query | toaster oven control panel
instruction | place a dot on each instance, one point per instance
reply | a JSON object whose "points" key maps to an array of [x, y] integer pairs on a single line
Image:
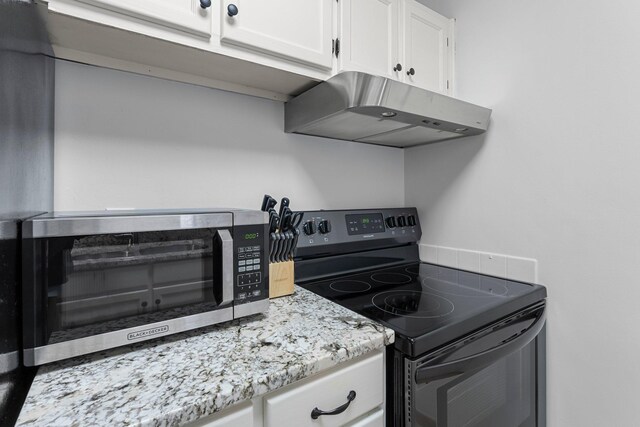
{"points": [[250, 263]]}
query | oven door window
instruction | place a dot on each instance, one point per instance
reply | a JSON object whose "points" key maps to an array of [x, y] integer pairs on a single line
{"points": [[500, 395], [99, 283], [488, 381]]}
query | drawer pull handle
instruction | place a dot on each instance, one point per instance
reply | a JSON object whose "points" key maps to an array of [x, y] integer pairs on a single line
{"points": [[340, 409]]}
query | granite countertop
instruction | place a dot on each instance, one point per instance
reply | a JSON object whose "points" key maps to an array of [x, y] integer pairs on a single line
{"points": [[181, 378]]}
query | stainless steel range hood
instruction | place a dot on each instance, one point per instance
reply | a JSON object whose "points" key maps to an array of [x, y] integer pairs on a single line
{"points": [[377, 110]]}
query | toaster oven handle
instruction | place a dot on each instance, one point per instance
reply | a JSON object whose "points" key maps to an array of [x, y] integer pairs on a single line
{"points": [[227, 265]]}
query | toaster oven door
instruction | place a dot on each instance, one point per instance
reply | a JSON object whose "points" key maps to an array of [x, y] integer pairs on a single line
{"points": [[95, 291]]}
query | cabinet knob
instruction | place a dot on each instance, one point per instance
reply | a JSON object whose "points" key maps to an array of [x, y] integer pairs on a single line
{"points": [[205, 4], [398, 67], [232, 9], [411, 72]]}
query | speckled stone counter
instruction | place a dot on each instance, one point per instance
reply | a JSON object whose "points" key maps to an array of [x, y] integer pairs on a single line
{"points": [[177, 379]]}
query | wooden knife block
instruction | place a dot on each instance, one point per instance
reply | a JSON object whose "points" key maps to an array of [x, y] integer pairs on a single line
{"points": [[281, 278]]}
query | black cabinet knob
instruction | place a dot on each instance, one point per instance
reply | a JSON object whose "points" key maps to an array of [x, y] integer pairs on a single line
{"points": [[205, 4], [411, 72], [398, 67], [232, 9]]}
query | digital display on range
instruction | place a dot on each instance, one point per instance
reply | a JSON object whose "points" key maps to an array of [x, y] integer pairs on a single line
{"points": [[365, 223]]}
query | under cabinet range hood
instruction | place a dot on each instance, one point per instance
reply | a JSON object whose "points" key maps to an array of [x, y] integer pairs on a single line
{"points": [[363, 108]]}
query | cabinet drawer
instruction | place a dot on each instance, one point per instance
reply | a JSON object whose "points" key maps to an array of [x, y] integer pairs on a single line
{"points": [[237, 416], [327, 392], [374, 420]]}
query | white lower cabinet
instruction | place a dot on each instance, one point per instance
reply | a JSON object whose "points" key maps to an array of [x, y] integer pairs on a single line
{"points": [[373, 420], [240, 415], [365, 378], [292, 406]]}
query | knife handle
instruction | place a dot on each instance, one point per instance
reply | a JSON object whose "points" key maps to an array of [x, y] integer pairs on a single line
{"points": [[284, 203], [265, 202]]}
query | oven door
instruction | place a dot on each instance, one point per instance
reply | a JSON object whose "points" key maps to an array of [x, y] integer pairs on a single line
{"points": [[492, 378], [86, 292]]}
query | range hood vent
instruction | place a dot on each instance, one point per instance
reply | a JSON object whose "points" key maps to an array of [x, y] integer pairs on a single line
{"points": [[376, 110]]}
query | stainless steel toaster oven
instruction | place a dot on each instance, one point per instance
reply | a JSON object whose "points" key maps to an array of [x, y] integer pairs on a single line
{"points": [[95, 280]]}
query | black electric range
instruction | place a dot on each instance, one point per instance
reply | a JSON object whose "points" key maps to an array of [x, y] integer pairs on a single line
{"points": [[425, 304], [469, 348]]}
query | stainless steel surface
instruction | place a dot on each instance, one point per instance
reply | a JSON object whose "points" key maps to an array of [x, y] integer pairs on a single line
{"points": [[8, 362], [67, 349], [8, 230], [255, 307], [27, 93], [227, 265], [360, 107], [248, 217], [83, 225]]}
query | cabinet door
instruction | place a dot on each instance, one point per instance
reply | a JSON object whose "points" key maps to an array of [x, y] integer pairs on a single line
{"points": [[369, 36], [292, 406], [374, 420], [240, 415], [427, 48], [298, 30], [183, 15]]}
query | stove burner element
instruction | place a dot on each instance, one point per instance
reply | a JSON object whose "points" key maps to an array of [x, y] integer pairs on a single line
{"points": [[413, 270], [391, 278], [490, 288], [419, 305], [350, 286]]}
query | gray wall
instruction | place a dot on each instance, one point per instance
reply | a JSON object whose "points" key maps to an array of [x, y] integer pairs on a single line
{"points": [[555, 178], [124, 140]]}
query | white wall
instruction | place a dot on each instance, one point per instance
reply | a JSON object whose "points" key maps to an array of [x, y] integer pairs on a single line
{"points": [[556, 178], [123, 140]]}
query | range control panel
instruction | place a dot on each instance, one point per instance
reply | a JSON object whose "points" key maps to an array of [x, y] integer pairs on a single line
{"points": [[328, 232]]}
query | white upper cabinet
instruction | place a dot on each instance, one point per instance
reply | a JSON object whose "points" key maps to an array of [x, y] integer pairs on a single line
{"points": [[428, 46], [183, 15], [273, 49], [398, 39], [298, 30], [369, 36]]}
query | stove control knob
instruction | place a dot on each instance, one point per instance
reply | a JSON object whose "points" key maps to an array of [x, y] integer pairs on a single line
{"points": [[309, 227], [391, 222], [324, 226], [412, 220], [402, 221]]}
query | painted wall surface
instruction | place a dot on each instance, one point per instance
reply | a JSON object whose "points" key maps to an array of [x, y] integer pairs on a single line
{"points": [[123, 140], [556, 178]]}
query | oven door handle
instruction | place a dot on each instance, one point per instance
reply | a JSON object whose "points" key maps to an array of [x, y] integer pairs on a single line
{"points": [[227, 266], [481, 360]]}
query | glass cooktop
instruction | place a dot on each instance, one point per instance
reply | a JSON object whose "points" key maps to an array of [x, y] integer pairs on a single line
{"points": [[428, 305]]}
